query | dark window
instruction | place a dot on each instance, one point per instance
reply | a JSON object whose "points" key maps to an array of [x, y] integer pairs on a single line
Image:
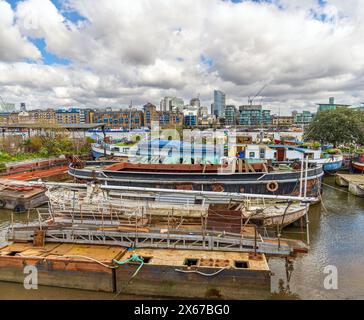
{"points": [[241, 264], [147, 259], [191, 262]]}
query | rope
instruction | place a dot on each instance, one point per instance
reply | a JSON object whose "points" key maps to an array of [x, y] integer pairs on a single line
{"points": [[133, 258], [201, 273], [322, 201], [337, 189], [70, 256], [92, 259]]}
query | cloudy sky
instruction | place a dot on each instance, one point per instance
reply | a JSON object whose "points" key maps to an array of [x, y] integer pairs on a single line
{"points": [[108, 52]]}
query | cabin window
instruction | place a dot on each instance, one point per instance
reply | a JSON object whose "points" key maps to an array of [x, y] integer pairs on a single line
{"points": [[241, 264], [262, 153], [189, 262], [251, 154]]}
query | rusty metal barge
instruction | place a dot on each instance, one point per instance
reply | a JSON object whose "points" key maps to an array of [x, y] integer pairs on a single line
{"points": [[153, 272], [240, 177], [19, 197]]}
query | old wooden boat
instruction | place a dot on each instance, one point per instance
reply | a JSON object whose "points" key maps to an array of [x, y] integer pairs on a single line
{"points": [[268, 215], [237, 176], [96, 203]]}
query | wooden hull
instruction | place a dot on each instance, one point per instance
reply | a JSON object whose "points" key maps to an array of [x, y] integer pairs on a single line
{"points": [[228, 220]]}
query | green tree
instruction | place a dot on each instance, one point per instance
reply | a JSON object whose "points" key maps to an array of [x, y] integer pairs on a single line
{"points": [[340, 126]]}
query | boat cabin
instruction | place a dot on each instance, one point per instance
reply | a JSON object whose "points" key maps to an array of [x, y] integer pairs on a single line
{"points": [[289, 153]]}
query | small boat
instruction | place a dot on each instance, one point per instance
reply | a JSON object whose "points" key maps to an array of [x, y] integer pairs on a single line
{"points": [[358, 166], [266, 215], [330, 162]]}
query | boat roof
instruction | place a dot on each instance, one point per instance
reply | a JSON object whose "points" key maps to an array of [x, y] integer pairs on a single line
{"points": [[175, 143], [283, 146]]}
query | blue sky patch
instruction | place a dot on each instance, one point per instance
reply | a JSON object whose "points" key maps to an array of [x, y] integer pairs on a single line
{"points": [[206, 60], [48, 58]]}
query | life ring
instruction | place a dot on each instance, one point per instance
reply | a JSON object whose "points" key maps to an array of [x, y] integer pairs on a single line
{"points": [[2, 203], [272, 186], [218, 188]]}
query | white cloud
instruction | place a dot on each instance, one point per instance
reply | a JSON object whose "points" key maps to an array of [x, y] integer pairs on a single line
{"points": [[141, 50], [13, 45]]}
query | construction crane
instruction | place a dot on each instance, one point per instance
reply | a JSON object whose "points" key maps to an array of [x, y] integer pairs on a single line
{"points": [[250, 101], [2, 104]]}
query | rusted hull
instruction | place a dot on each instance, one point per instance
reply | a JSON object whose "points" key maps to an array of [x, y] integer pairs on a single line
{"points": [[253, 182], [21, 200], [166, 281], [59, 273]]}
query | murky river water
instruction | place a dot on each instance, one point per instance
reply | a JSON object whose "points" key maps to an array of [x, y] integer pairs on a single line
{"points": [[337, 239]]}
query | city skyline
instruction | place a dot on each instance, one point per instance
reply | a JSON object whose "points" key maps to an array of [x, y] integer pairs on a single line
{"points": [[66, 53]]}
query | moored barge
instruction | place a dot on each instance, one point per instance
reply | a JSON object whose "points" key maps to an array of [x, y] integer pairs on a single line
{"points": [[254, 178], [153, 272]]}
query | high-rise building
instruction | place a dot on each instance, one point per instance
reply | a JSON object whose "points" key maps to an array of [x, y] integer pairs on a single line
{"points": [[23, 107], [266, 118], [331, 105], [304, 117], [165, 104], [195, 102], [254, 115], [219, 103], [177, 104], [174, 104], [230, 115], [250, 115]]}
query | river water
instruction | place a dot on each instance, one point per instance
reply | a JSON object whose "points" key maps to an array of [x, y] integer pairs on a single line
{"points": [[337, 239]]}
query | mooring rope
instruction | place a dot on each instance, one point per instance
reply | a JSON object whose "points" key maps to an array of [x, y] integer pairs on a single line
{"points": [[92, 259], [133, 258], [337, 189], [201, 273]]}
